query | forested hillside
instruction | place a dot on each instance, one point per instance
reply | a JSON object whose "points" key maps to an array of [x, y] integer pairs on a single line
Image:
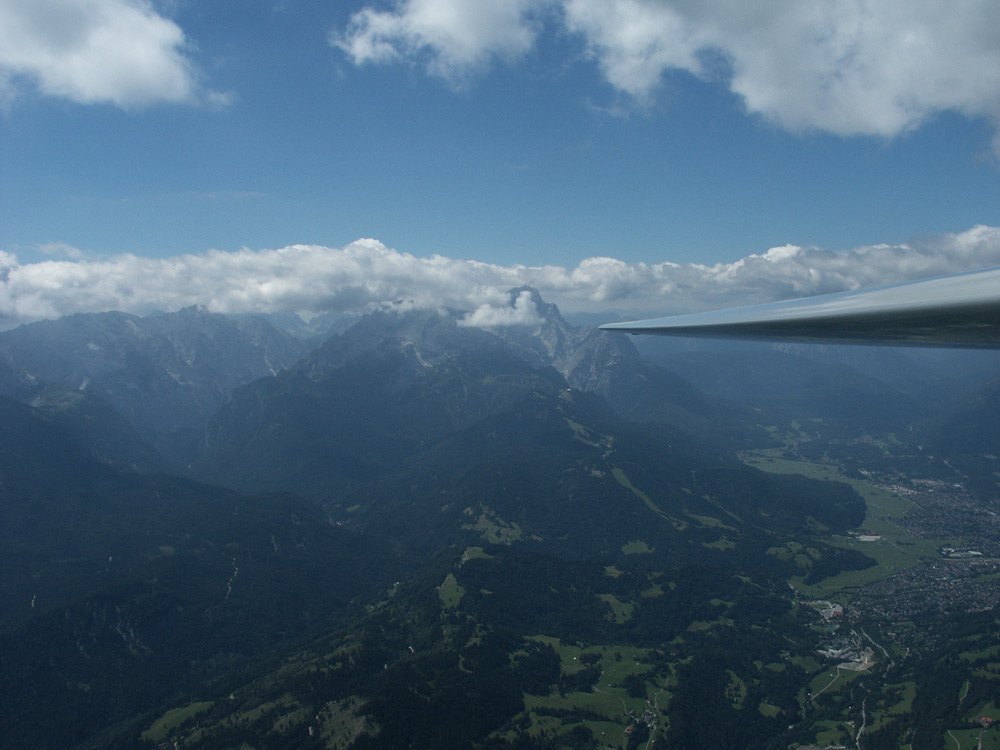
{"points": [[430, 534]]}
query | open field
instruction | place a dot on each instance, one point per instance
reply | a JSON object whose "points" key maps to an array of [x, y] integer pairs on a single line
{"points": [[971, 739], [894, 552], [450, 592], [831, 680], [172, 719], [607, 698]]}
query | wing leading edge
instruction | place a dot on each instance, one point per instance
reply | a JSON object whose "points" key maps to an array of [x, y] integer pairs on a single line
{"points": [[962, 310]]}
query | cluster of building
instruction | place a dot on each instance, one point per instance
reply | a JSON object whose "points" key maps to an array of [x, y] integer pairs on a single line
{"points": [[961, 581], [849, 651], [647, 718], [947, 510], [931, 589]]}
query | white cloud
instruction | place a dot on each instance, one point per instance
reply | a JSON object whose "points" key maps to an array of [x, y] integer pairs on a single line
{"points": [[634, 42], [61, 249], [456, 38], [848, 67], [366, 275], [521, 313], [96, 51]]}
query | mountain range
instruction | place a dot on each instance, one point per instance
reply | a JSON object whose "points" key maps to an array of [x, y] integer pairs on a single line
{"points": [[218, 533], [164, 374]]}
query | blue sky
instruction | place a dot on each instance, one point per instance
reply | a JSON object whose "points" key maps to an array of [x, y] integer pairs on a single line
{"points": [[502, 132]]}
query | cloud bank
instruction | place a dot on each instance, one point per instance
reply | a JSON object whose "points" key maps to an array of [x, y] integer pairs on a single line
{"points": [[366, 275], [120, 52], [848, 67]]}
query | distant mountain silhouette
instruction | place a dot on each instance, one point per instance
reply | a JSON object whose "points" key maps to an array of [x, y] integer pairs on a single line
{"points": [[877, 388], [165, 374], [969, 427], [395, 383]]}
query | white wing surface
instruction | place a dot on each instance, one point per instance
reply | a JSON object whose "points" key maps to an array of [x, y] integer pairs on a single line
{"points": [[962, 310]]}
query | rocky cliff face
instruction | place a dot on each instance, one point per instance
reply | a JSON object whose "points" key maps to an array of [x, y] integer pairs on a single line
{"points": [[395, 384], [165, 374], [608, 365]]}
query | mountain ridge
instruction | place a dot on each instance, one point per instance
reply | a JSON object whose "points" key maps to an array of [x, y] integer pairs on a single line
{"points": [[165, 374]]}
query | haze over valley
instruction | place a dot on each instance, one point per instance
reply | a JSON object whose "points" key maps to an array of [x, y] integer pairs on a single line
{"points": [[309, 437], [522, 534]]}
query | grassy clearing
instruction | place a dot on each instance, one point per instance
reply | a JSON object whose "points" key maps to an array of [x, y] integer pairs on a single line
{"points": [[708, 521], [450, 592], [969, 739], [494, 529], [620, 611], [963, 692], [905, 704], [608, 733], [344, 720], [697, 625], [638, 547], [585, 435], [907, 691], [768, 709], [652, 592], [991, 653], [831, 680], [896, 551], [988, 709], [736, 690], [721, 543], [615, 663], [770, 461], [172, 719], [808, 663], [624, 481], [476, 553], [831, 734]]}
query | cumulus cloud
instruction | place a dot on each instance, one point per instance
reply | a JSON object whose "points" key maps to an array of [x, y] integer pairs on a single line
{"points": [[97, 51], [367, 275], [455, 38], [522, 312], [849, 67]]}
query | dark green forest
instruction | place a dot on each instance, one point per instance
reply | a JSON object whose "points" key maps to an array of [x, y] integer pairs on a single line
{"points": [[420, 534]]}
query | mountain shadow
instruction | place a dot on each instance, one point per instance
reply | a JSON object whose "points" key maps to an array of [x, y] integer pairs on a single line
{"points": [[122, 591], [395, 383], [165, 374]]}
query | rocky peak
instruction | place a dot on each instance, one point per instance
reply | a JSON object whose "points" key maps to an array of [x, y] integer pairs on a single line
{"points": [[165, 373], [581, 354]]}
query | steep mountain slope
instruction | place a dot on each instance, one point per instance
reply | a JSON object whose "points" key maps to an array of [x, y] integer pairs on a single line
{"points": [[120, 591], [165, 374], [559, 472], [545, 540], [361, 403], [89, 420], [609, 365], [972, 427], [395, 383], [790, 386], [966, 437], [874, 388], [484, 515]]}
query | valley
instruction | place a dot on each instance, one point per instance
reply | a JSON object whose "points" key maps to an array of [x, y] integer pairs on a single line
{"points": [[417, 533]]}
